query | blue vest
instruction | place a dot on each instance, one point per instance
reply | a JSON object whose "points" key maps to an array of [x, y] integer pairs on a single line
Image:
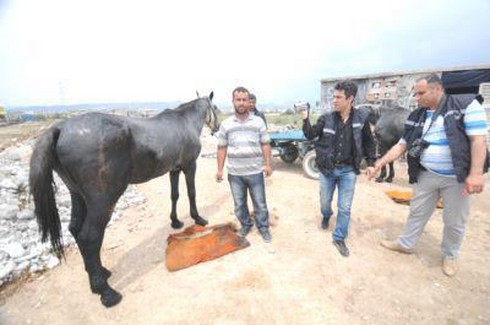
{"points": [[452, 110]]}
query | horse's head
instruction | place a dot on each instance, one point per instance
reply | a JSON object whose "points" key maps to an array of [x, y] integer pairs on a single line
{"points": [[372, 111], [211, 114]]}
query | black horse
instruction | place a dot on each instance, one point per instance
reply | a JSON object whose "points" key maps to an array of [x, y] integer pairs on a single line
{"points": [[389, 124], [97, 156]]}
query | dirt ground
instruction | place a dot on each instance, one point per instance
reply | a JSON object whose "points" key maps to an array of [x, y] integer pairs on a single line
{"points": [[299, 278], [14, 134]]}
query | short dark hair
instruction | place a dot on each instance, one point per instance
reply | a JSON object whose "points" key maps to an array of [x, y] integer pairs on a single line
{"points": [[349, 88], [239, 89], [252, 96], [431, 78]]}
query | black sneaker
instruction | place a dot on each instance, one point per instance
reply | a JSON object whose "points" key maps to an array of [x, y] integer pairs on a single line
{"points": [[266, 235], [341, 247], [243, 231], [325, 222]]}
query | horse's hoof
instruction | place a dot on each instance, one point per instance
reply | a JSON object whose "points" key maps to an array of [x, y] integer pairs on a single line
{"points": [[110, 297], [176, 224], [389, 180], [379, 180], [200, 221]]}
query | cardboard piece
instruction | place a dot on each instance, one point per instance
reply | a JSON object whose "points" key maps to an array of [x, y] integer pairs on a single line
{"points": [[198, 244], [404, 197]]}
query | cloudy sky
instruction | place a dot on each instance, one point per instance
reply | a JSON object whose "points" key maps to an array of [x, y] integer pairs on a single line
{"points": [[67, 51]]}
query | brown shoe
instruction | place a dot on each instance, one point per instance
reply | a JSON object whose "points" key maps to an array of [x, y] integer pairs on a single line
{"points": [[449, 266], [394, 245]]}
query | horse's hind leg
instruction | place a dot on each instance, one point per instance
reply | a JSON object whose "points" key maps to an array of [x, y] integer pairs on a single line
{"points": [[78, 214], [90, 241], [190, 180], [174, 195]]}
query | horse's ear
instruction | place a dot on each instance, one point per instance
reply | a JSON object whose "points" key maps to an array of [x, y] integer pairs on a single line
{"points": [[211, 95], [197, 93]]}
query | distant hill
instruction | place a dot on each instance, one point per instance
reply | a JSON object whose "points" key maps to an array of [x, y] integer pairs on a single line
{"points": [[94, 107], [131, 106]]}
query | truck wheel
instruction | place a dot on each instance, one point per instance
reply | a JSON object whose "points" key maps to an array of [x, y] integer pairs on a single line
{"points": [[309, 165], [289, 153]]}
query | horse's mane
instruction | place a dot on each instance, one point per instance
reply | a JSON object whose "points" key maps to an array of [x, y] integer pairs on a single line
{"points": [[184, 106], [181, 108]]}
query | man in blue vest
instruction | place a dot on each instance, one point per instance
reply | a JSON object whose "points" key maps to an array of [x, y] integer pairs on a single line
{"points": [[447, 157], [344, 139]]}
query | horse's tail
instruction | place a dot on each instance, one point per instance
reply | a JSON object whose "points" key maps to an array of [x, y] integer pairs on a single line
{"points": [[41, 184]]}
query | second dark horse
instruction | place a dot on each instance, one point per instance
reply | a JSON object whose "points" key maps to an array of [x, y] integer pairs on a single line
{"points": [[97, 156], [389, 125]]}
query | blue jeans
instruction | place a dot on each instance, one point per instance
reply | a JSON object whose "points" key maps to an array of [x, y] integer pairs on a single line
{"points": [[256, 186], [345, 179]]}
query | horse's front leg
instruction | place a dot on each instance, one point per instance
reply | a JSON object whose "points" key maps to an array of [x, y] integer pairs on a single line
{"points": [[174, 195], [382, 175], [190, 180], [391, 175]]}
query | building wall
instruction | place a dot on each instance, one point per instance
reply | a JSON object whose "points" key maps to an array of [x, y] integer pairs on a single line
{"points": [[390, 91]]}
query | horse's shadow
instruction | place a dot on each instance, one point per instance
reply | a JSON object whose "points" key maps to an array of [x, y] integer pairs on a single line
{"points": [[141, 259], [150, 253]]}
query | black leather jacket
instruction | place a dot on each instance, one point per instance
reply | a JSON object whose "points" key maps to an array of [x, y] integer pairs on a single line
{"points": [[324, 129]]}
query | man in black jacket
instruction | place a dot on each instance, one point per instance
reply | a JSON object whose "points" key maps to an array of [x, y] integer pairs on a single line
{"points": [[253, 109], [344, 139]]}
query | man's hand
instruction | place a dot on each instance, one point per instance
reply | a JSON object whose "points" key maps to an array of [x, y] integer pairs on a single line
{"points": [[219, 176], [372, 171], [267, 171], [474, 184]]}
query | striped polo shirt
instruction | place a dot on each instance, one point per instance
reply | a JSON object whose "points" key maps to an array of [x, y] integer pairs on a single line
{"points": [[437, 157], [243, 140]]}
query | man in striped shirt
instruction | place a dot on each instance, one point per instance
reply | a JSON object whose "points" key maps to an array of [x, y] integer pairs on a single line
{"points": [[243, 138], [447, 157]]}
